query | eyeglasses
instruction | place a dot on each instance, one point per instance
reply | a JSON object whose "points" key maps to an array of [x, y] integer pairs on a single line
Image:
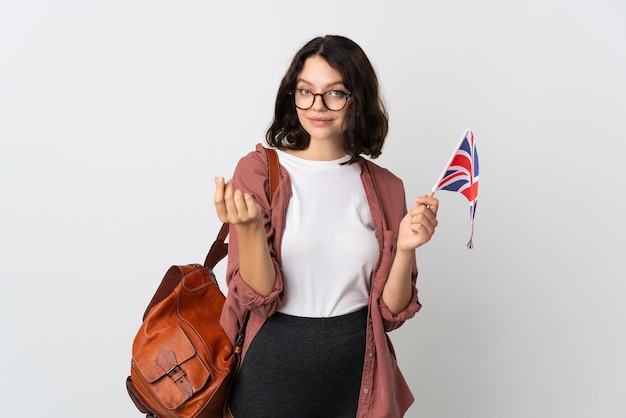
{"points": [[334, 100]]}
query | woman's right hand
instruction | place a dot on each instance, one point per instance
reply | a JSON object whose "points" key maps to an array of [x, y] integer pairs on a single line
{"points": [[234, 206]]}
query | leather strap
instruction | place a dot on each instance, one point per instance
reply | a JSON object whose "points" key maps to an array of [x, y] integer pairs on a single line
{"points": [[219, 248], [274, 172], [166, 359]]}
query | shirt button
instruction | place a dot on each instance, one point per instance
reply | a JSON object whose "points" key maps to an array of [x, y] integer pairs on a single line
{"points": [[366, 391], [370, 354]]}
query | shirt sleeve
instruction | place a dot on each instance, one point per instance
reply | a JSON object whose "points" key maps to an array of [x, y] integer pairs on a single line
{"points": [[393, 321], [251, 176], [393, 202]]}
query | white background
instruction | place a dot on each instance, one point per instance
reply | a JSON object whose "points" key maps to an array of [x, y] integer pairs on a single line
{"points": [[116, 115]]}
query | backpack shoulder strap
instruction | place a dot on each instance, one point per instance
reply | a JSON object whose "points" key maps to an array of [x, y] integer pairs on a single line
{"points": [[274, 172]]}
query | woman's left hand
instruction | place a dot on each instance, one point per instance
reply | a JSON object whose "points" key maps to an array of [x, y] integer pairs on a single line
{"points": [[418, 225]]}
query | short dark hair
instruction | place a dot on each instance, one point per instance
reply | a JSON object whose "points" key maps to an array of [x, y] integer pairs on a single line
{"points": [[366, 120]]}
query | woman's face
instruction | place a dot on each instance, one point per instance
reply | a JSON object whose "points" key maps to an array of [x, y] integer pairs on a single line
{"points": [[322, 124]]}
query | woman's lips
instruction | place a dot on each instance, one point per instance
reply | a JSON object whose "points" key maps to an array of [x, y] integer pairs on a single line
{"points": [[320, 121]]}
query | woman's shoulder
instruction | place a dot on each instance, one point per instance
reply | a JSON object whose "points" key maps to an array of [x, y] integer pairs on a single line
{"points": [[390, 191], [253, 161], [380, 173], [251, 173]]}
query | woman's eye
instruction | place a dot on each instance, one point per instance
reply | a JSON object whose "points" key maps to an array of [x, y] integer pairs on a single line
{"points": [[304, 92], [337, 93]]}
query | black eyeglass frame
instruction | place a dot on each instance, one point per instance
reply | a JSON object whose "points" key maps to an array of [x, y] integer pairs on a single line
{"points": [[292, 93]]}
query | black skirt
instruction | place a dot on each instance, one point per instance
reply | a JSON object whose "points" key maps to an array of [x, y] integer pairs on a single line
{"points": [[302, 367]]}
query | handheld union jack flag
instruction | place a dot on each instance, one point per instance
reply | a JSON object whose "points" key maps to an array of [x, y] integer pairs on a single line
{"points": [[461, 175]]}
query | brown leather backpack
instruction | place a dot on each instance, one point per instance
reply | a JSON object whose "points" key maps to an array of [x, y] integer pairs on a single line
{"points": [[183, 362]]}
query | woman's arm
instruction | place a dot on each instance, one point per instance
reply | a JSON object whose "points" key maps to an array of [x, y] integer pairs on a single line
{"points": [[416, 228], [238, 208]]}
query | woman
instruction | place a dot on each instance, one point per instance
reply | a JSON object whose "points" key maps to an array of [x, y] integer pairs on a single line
{"points": [[329, 267]]}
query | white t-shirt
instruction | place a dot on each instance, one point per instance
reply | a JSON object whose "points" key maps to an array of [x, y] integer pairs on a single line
{"points": [[329, 248]]}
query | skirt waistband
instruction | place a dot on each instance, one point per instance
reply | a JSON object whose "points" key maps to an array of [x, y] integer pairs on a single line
{"points": [[343, 323]]}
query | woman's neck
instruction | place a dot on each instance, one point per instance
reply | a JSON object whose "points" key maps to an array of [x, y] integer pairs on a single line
{"points": [[320, 151]]}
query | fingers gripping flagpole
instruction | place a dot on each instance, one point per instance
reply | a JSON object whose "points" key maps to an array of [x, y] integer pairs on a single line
{"points": [[461, 175]]}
